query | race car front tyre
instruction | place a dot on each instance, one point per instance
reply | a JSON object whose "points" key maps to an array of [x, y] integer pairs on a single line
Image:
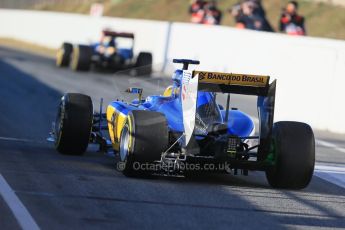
{"points": [[73, 124], [63, 55], [143, 139], [294, 147], [144, 64], [81, 58]]}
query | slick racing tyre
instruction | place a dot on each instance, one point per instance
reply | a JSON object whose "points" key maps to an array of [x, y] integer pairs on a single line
{"points": [[144, 64], [63, 55], [73, 124], [81, 58], [143, 140], [294, 146]]}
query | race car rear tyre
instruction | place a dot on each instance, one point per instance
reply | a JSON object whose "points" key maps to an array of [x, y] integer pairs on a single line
{"points": [[63, 55], [81, 58], [294, 146], [73, 124], [144, 64], [143, 139]]}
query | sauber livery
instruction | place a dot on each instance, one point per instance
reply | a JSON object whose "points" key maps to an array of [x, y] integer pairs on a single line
{"points": [[192, 122]]}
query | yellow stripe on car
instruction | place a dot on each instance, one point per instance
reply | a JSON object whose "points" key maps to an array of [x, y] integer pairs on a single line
{"points": [[130, 134], [110, 113], [116, 122]]}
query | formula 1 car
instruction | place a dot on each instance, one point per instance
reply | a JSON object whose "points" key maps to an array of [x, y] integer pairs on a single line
{"points": [[106, 54], [186, 126]]}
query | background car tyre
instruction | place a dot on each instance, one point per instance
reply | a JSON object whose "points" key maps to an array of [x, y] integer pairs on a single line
{"points": [[144, 64], [144, 138], [63, 55], [73, 124], [81, 58], [294, 146]]}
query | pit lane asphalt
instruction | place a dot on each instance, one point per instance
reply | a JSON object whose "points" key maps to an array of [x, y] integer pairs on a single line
{"points": [[86, 192]]}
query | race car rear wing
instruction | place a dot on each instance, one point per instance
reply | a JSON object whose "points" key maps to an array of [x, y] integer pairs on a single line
{"points": [[232, 83], [246, 84]]}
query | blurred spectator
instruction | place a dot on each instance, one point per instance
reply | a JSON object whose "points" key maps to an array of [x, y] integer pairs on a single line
{"points": [[290, 22], [250, 14], [260, 12], [196, 10], [205, 12], [247, 19], [236, 11], [213, 15]]}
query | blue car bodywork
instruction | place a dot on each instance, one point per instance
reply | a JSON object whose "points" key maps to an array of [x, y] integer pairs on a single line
{"points": [[239, 123], [208, 112], [125, 54], [185, 131]]}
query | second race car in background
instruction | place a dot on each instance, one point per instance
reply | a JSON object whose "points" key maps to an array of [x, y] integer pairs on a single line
{"points": [[114, 52]]}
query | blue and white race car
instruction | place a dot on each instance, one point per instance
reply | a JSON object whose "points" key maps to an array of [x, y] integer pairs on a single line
{"points": [[186, 130], [114, 51]]}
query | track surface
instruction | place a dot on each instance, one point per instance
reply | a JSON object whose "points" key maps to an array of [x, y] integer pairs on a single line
{"points": [[73, 192]]}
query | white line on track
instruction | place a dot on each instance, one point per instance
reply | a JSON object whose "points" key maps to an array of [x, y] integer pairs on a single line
{"points": [[19, 211], [19, 140], [14, 139], [330, 168], [330, 145], [333, 174]]}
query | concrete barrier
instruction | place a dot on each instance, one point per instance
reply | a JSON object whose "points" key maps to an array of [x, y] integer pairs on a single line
{"points": [[310, 71]]}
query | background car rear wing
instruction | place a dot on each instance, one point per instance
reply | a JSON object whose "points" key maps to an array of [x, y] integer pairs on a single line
{"points": [[117, 34]]}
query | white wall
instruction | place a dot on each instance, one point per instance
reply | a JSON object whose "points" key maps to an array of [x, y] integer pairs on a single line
{"points": [[310, 71]]}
